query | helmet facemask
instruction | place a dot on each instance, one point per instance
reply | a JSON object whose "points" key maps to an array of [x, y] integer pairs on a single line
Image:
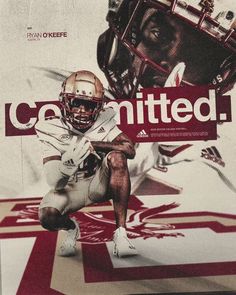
{"points": [[139, 55]]}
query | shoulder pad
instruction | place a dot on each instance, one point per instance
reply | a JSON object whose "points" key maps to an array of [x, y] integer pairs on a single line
{"points": [[53, 130], [103, 125], [107, 113], [44, 125]]}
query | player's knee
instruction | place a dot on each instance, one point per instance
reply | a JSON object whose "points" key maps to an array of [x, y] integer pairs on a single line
{"points": [[117, 160], [49, 218]]}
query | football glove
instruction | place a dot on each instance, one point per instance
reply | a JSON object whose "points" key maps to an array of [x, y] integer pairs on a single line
{"points": [[79, 149]]}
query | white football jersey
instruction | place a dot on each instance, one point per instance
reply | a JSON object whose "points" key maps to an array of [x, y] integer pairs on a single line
{"points": [[56, 134]]}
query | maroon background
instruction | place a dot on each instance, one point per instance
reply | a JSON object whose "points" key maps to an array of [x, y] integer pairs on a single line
{"points": [[193, 130]]}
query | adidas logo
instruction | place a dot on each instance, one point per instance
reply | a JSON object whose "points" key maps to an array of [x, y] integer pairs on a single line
{"points": [[101, 130], [69, 163], [142, 133], [212, 154]]}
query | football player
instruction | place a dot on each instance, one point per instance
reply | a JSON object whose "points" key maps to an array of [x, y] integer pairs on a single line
{"points": [[167, 43], [147, 39], [85, 161]]}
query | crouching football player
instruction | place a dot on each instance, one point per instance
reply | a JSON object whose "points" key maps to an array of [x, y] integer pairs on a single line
{"points": [[85, 160]]}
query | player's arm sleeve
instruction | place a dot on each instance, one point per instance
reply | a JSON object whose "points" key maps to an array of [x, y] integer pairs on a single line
{"points": [[51, 160], [113, 133]]}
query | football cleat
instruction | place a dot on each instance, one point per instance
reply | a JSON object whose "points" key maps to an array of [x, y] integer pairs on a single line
{"points": [[68, 245], [122, 245]]}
